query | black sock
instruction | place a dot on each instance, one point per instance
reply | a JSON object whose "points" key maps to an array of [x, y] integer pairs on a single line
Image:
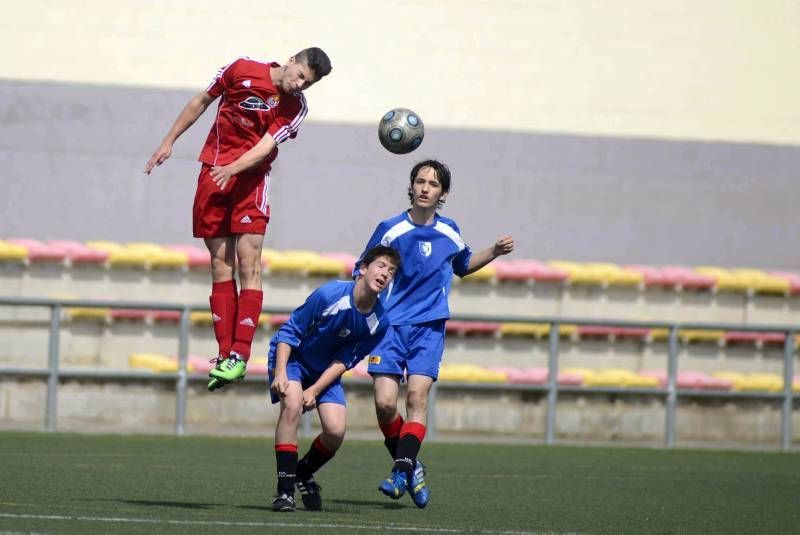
{"points": [[312, 461], [391, 445], [287, 467], [406, 458]]}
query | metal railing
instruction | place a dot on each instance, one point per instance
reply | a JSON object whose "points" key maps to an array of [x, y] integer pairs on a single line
{"points": [[551, 388]]}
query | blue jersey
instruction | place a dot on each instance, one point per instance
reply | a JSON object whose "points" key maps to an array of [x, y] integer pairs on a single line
{"points": [[430, 255], [329, 327]]}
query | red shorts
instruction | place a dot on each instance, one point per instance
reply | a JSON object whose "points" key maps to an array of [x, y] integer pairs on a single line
{"points": [[241, 208]]}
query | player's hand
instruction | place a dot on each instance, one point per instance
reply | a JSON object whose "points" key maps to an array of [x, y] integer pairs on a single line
{"points": [[503, 245], [280, 385], [159, 156], [221, 175], [309, 399]]}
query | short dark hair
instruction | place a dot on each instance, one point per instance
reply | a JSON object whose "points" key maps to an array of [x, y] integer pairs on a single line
{"points": [[442, 175], [378, 251], [316, 59]]}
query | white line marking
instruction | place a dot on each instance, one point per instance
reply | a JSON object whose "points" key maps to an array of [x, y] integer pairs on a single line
{"points": [[394, 527]]}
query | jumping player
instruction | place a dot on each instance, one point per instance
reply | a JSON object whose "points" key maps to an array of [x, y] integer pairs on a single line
{"points": [[337, 326], [432, 250], [261, 106]]}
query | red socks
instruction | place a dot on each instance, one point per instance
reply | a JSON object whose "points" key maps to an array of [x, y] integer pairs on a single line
{"points": [[223, 312], [247, 315]]}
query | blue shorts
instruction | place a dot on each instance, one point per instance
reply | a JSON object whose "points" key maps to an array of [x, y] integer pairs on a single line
{"points": [[295, 371], [416, 349]]}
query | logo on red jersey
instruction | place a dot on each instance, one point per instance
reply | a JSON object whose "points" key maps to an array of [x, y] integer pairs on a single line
{"points": [[255, 103]]}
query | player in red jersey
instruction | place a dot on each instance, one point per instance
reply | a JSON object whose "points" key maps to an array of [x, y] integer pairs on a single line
{"points": [[261, 105]]}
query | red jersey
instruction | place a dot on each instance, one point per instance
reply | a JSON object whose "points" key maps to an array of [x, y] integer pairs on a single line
{"points": [[250, 107]]}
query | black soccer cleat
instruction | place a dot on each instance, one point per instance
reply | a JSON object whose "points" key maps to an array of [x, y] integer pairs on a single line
{"points": [[310, 493], [283, 502]]}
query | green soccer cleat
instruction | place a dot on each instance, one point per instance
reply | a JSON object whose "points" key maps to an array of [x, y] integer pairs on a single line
{"points": [[216, 384], [231, 369]]}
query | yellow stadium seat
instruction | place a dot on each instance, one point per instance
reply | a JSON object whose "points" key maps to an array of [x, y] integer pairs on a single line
{"points": [[701, 335], [160, 257], [295, 262], [762, 382], [762, 282], [726, 279], [620, 378], [200, 317], [469, 373], [118, 255], [614, 275], [12, 253], [535, 330], [485, 274], [737, 379], [89, 314], [153, 362]]}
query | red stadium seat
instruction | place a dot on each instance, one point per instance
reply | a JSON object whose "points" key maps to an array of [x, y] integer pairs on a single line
{"points": [[166, 316], [792, 278], [472, 328], [129, 314], [689, 278], [277, 320], [348, 260], [197, 257], [78, 253], [590, 331], [744, 337], [654, 276]]}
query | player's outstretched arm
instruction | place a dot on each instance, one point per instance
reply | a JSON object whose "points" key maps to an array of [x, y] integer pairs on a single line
{"points": [[503, 246], [333, 372], [190, 113], [251, 158]]}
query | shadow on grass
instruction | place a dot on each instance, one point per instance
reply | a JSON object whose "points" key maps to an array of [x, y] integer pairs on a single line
{"points": [[333, 506], [160, 503]]}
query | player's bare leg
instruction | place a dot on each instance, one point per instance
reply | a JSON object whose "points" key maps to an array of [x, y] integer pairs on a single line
{"points": [[223, 299], [333, 417], [286, 446], [248, 255]]}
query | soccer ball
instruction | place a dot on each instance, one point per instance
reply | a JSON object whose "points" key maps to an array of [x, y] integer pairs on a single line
{"points": [[401, 131]]}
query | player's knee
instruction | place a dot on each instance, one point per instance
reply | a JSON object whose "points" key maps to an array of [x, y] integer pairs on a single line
{"points": [[385, 410], [333, 438], [417, 399]]}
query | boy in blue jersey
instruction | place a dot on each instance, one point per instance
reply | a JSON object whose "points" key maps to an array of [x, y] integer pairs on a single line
{"points": [[432, 250], [337, 326]]}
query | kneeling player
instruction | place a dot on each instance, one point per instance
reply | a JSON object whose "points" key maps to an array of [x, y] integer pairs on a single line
{"points": [[336, 327]]}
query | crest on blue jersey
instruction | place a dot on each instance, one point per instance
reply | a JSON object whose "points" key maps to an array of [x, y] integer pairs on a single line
{"points": [[425, 248]]}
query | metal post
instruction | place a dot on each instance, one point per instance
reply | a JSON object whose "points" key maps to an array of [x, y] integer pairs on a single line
{"points": [[672, 388], [788, 376], [52, 377], [181, 386], [552, 384]]}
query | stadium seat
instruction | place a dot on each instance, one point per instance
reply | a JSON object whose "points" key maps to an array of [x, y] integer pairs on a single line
{"points": [[276, 321], [689, 279], [166, 316], [280, 262], [78, 253], [196, 257], [521, 270], [12, 253], [129, 314], [762, 282], [597, 273], [153, 362], [736, 380], [792, 278], [88, 314], [200, 364], [535, 330], [756, 338], [469, 373], [726, 280], [612, 333], [200, 317], [347, 260], [257, 367], [653, 276], [616, 377], [160, 257], [761, 382], [472, 328], [688, 336], [119, 255], [485, 274], [690, 380], [40, 252]]}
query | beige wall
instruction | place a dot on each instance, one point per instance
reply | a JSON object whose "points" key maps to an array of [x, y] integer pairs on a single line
{"points": [[707, 69]]}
